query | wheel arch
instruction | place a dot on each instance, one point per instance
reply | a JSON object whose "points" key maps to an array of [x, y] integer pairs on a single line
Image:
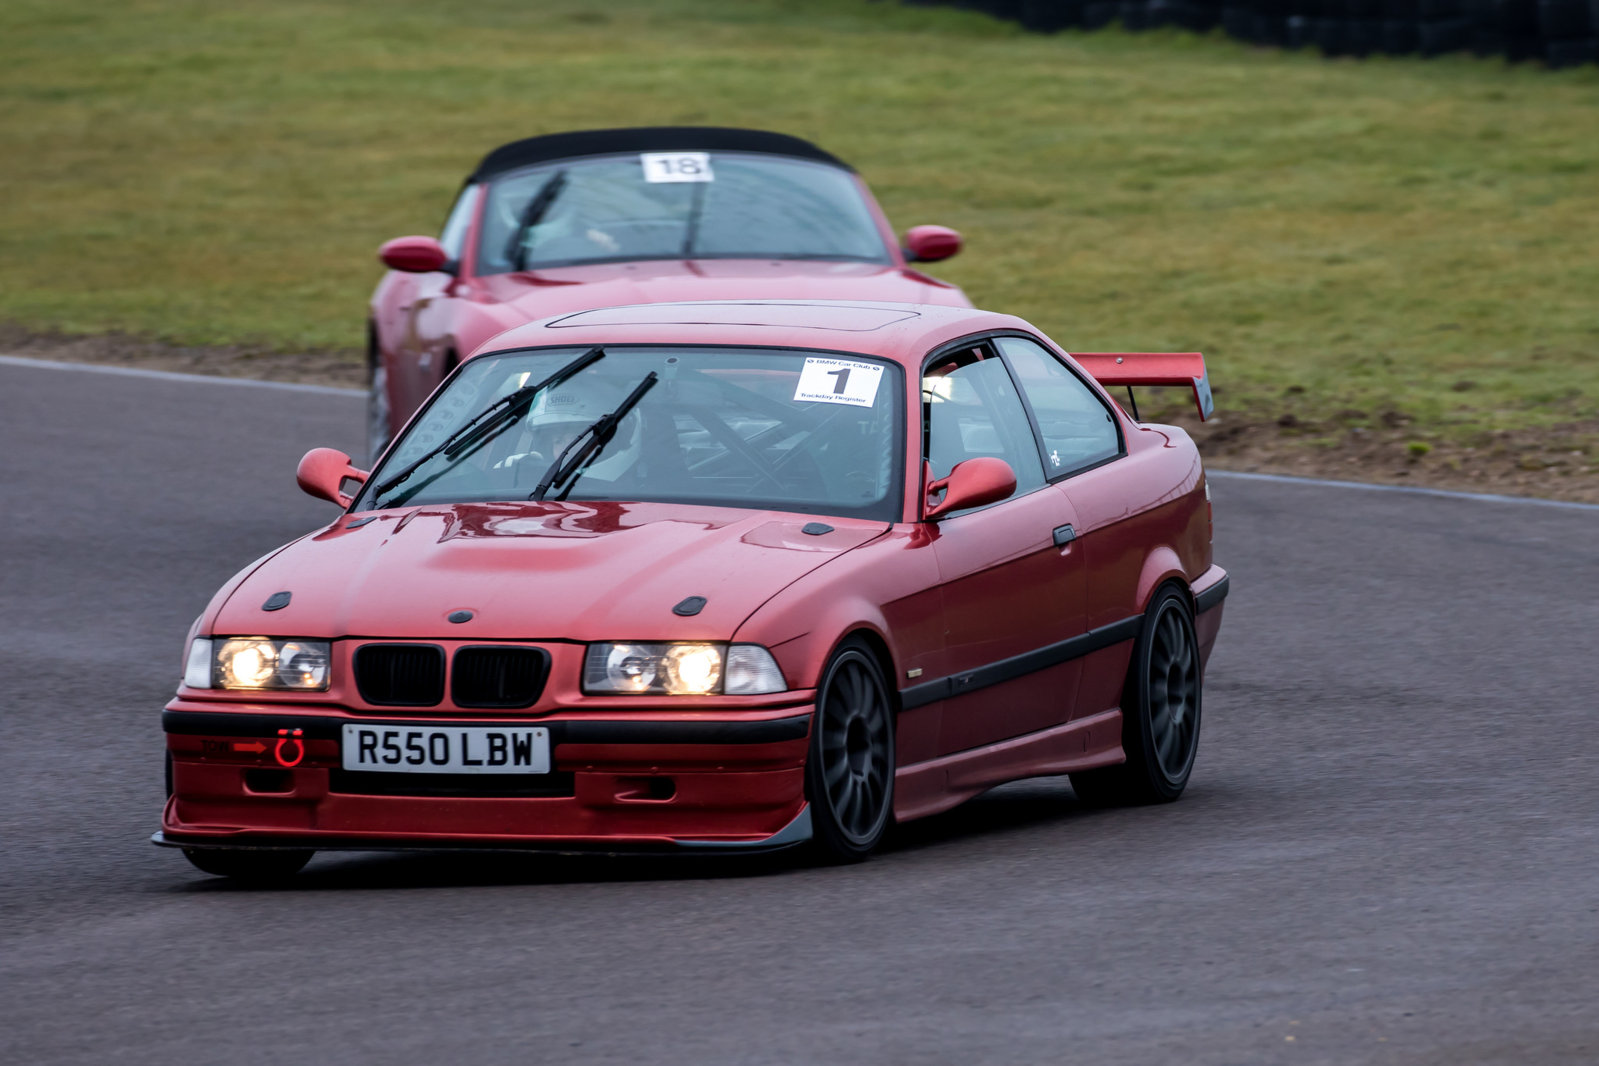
{"points": [[1162, 567], [880, 651]]}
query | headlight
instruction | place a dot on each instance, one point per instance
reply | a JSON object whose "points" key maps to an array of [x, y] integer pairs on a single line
{"points": [[681, 669], [258, 663]]}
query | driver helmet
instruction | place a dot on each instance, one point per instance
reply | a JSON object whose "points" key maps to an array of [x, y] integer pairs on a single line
{"points": [[561, 413]]}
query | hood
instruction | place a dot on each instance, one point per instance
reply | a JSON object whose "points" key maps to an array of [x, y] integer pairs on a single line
{"points": [[542, 293], [545, 571]]}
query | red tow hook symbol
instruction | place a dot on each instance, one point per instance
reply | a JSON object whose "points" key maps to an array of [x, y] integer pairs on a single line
{"points": [[285, 738]]}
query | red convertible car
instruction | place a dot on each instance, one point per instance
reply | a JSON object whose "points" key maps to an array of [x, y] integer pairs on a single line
{"points": [[712, 576], [597, 218]]}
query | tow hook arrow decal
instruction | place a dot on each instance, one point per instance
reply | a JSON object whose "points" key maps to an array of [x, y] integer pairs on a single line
{"points": [[249, 745], [285, 738]]}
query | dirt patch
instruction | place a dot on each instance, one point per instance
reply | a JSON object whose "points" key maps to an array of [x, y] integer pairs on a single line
{"points": [[1556, 462], [342, 368]]}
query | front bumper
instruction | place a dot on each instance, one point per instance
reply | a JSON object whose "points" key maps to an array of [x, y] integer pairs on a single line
{"points": [[690, 780]]}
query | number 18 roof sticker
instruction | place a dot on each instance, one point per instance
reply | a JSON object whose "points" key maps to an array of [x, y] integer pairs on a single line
{"points": [[677, 166], [843, 381]]}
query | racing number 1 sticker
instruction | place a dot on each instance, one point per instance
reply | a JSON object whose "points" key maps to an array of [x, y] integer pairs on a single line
{"points": [[677, 166], [838, 381]]}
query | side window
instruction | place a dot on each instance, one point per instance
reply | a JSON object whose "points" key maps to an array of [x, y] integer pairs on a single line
{"points": [[454, 235], [1078, 429], [970, 408]]}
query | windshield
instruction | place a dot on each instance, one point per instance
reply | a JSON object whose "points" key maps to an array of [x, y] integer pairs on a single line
{"points": [[774, 429], [675, 206]]}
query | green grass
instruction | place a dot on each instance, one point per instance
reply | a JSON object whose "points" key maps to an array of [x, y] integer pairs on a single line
{"points": [[1342, 238]]}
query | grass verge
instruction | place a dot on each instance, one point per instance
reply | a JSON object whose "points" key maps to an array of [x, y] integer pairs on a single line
{"points": [[1358, 246]]}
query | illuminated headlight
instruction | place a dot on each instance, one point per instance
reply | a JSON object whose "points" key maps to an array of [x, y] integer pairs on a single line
{"points": [[681, 669], [258, 663]]}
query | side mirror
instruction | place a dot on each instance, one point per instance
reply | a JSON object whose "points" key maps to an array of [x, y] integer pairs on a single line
{"points": [[323, 472], [929, 244], [414, 255], [972, 483]]}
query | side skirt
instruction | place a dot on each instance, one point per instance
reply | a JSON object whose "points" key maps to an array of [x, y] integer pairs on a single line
{"points": [[926, 788]]}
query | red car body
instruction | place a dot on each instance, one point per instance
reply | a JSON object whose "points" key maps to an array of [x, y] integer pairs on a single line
{"points": [[441, 302], [1004, 632]]}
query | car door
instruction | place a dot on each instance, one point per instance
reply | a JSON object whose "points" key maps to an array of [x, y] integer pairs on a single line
{"points": [[1010, 576], [1085, 457]]}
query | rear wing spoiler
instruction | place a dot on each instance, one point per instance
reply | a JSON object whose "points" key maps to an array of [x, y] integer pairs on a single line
{"points": [[1186, 369]]}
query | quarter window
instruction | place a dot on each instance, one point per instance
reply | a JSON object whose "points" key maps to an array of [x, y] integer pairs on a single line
{"points": [[1078, 430]]}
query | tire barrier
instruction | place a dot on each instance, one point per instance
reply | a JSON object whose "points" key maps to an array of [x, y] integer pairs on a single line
{"points": [[1558, 33]]}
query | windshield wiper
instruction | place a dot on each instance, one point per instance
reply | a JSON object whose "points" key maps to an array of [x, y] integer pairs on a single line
{"points": [[515, 250], [696, 207], [593, 438], [488, 424]]}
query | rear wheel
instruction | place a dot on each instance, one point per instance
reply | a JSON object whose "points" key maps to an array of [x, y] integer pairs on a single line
{"points": [[1160, 712], [256, 866], [849, 776]]}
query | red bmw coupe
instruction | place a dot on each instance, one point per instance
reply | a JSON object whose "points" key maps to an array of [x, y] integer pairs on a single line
{"points": [[597, 218], [713, 576]]}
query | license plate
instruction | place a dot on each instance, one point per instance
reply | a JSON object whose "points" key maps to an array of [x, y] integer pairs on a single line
{"points": [[447, 749]]}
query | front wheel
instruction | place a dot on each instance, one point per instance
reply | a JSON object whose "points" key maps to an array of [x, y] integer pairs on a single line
{"points": [[1160, 712], [254, 866], [849, 774]]}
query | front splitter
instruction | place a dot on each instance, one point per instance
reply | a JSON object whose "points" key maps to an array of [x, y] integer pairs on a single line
{"points": [[795, 833]]}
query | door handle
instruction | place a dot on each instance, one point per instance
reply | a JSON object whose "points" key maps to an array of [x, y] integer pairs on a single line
{"points": [[1064, 535]]}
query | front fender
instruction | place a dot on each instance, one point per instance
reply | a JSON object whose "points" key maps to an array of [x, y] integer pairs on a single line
{"points": [[887, 588]]}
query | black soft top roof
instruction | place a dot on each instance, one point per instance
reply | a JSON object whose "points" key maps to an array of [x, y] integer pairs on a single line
{"points": [[646, 139]]}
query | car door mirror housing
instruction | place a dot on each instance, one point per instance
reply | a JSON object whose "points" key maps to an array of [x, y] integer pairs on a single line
{"points": [[414, 255], [323, 472], [929, 244], [972, 483]]}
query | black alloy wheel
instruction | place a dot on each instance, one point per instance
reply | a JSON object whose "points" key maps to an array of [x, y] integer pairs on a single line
{"points": [[257, 867], [849, 776], [1160, 711]]}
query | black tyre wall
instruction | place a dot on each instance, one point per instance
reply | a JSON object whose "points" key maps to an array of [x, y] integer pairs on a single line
{"points": [[1564, 20], [1560, 32]]}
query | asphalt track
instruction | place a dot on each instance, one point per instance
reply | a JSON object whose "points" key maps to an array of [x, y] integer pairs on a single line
{"points": [[1389, 852]]}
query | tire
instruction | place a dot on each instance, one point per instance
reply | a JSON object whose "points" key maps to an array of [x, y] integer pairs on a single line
{"points": [[1242, 24], [1442, 38], [1362, 37], [1048, 16], [1160, 712], [1561, 54], [1564, 20], [1097, 16], [1184, 14], [1331, 36], [1134, 15], [259, 867], [1399, 38], [377, 405], [849, 773]]}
